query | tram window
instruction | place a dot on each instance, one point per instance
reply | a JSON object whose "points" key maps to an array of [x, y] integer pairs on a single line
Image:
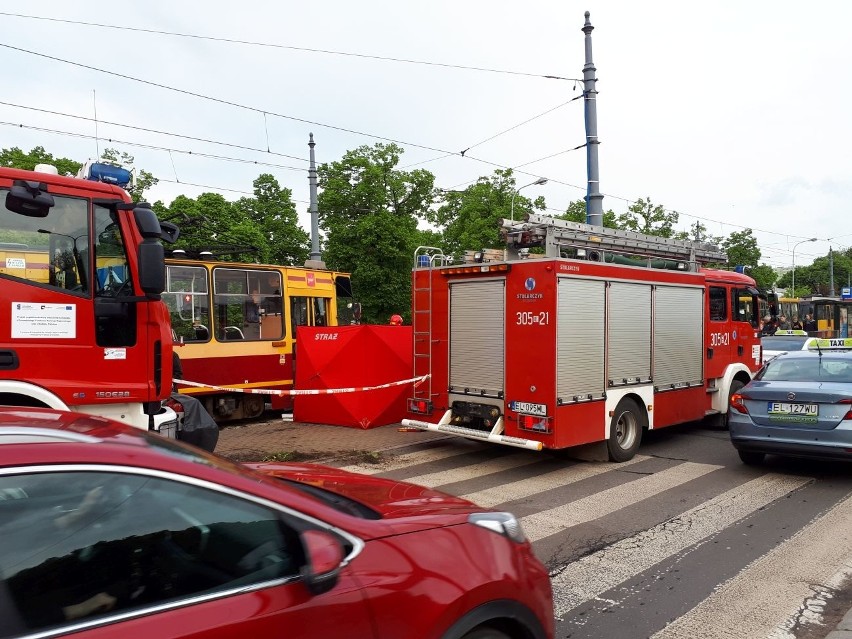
{"points": [[237, 304], [321, 308], [299, 312], [718, 304], [186, 298]]}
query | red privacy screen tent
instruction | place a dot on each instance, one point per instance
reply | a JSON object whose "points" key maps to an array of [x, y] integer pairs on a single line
{"points": [[353, 356]]}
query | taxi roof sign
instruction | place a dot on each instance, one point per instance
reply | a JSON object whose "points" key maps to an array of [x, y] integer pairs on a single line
{"points": [[787, 331], [831, 343]]}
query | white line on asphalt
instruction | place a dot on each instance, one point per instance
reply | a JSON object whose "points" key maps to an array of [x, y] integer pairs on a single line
{"points": [[771, 590], [491, 497], [548, 522], [594, 574]]}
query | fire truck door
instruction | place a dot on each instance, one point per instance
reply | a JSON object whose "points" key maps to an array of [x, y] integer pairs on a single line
{"points": [[717, 339]]}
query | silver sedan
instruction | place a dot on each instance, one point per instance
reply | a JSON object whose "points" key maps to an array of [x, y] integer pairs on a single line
{"points": [[799, 405]]}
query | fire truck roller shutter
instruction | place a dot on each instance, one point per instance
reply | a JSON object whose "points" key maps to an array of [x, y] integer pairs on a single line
{"points": [[629, 333], [477, 340], [678, 337], [580, 339]]}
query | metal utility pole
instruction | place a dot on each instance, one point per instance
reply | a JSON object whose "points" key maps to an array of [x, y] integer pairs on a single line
{"points": [[315, 260], [594, 204], [830, 272]]}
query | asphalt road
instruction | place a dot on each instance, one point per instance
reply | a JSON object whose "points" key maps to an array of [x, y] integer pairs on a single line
{"points": [[682, 541]]}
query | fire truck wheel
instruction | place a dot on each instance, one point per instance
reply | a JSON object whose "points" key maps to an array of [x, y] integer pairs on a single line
{"points": [[625, 430]]}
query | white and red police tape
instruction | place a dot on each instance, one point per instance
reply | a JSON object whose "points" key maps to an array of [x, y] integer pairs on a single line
{"points": [[317, 391]]}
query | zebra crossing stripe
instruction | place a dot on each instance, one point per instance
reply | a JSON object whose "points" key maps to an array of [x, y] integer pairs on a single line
{"points": [[752, 603], [490, 497], [403, 461], [597, 573], [548, 522]]}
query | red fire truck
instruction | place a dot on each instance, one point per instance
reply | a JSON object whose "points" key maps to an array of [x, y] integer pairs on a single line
{"points": [[82, 325], [607, 334], [236, 323]]}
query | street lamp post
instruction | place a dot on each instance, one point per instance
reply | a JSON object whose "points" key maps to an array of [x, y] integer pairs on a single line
{"points": [[813, 239], [538, 182]]}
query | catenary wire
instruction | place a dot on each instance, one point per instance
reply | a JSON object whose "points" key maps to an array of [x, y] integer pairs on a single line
{"points": [[270, 45], [147, 130], [347, 130], [152, 147]]}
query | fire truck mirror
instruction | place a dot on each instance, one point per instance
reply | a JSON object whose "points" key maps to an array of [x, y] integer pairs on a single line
{"points": [[169, 232], [29, 198], [152, 267], [146, 221]]}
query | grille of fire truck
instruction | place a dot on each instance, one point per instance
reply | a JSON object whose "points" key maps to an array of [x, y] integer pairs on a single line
{"points": [[555, 235], [425, 258]]}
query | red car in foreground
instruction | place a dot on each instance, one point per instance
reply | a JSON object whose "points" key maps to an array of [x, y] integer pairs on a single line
{"points": [[106, 531]]}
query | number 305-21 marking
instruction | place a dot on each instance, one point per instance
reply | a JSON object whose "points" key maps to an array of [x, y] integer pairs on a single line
{"points": [[720, 339], [528, 318]]}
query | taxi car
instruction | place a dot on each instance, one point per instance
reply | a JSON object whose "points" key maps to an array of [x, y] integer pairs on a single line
{"points": [[783, 341], [108, 531], [799, 404]]}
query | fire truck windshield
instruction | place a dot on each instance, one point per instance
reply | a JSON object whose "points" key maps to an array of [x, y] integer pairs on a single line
{"points": [[53, 250]]}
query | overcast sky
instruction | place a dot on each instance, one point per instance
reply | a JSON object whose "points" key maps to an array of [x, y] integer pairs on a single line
{"points": [[737, 113]]}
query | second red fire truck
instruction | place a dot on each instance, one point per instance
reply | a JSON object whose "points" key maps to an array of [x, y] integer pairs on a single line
{"points": [[625, 334]]}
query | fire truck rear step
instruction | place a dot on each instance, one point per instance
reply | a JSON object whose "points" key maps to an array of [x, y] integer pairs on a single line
{"points": [[494, 435]]}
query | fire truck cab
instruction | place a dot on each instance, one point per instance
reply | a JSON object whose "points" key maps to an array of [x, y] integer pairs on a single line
{"points": [[82, 326], [626, 333]]}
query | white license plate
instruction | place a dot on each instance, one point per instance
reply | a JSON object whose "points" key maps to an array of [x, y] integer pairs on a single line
{"points": [[540, 410], [786, 408]]}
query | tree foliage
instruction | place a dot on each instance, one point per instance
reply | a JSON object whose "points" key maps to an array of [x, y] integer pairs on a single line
{"points": [[471, 219], [644, 217], [15, 158], [576, 212], [369, 211], [273, 212]]}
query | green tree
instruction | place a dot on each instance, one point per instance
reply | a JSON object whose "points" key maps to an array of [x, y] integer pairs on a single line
{"points": [[15, 158], [764, 275], [210, 222], [576, 212], [471, 219], [369, 211], [644, 217], [273, 212], [742, 249]]}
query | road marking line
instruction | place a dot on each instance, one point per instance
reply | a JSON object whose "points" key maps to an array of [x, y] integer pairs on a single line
{"points": [[490, 497], [752, 603], [601, 571], [548, 522]]}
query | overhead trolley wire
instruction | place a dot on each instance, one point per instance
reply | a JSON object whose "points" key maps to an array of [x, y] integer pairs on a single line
{"points": [[270, 45], [147, 130], [153, 147]]}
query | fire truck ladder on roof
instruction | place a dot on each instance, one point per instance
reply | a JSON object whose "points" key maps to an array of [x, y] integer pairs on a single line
{"points": [[595, 242], [425, 259]]}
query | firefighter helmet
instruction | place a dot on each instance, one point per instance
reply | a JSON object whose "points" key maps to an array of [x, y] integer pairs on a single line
{"points": [[396, 320]]}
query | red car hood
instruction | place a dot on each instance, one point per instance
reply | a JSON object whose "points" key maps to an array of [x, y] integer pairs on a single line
{"points": [[391, 498]]}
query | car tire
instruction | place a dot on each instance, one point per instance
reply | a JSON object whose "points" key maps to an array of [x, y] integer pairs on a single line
{"points": [[751, 457], [486, 633], [625, 430]]}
